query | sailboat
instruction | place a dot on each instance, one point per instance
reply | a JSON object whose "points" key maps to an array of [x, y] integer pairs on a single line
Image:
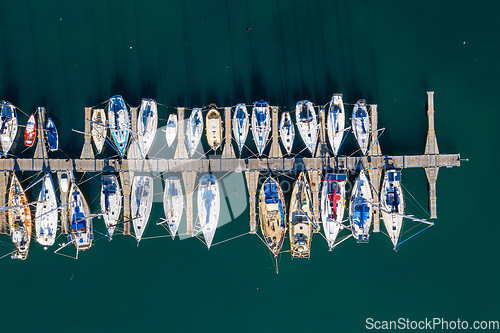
{"points": [[19, 217], [111, 202], [361, 125], [81, 221], [141, 203], [300, 218], [261, 125], [64, 182], [30, 131], [392, 204], [287, 132], [173, 204], [214, 129], [8, 126], [171, 129], [241, 123], [336, 122], [307, 123], [194, 129], [333, 205], [208, 206], [52, 136], [99, 129], [119, 123], [360, 208], [147, 122], [272, 215], [46, 214]]}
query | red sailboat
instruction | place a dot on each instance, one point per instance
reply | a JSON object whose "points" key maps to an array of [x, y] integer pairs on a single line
{"points": [[30, 132]]}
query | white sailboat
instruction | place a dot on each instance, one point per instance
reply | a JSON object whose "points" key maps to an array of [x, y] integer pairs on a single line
{"points": [[147, 123], [99, 129], [194, 130], [8, 126], [208, 206], [111, 202], [173, 204], [360, 208], [307, 122], [119, 123], [333, 205], [171, 129], [141, 203], [261, 125], [336, 122], [392, 205], [81, 234], [361, 125], [46, 214], [241, 123], [287, 132]]}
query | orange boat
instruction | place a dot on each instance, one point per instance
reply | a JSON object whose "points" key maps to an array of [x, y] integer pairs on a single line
{"points": [[19, 217], [30, 132]]}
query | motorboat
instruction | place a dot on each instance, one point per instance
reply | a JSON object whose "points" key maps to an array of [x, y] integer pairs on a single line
{"points": [[272, 215], [360, 208], [99, 129], [46, 214], [261, 125], [52, 136], [111, 202], [19, 219], [333, 196], [171, 129], [8, 126], [141, 203], [173, 204], [392, 204], [336, 123], [208, 206], [194, 129], [30, 131], [241, 123], [214, 128], [287, 132], [81, 221], [361, 125], [147, 123], [301, 218], [119, 123], [307, 122]]}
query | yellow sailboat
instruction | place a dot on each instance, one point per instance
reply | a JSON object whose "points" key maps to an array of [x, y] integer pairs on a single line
{"points": [[19, 217], [214, 128]]}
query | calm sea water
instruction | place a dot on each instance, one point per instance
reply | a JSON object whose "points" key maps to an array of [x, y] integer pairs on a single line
{"points": [[68, 55]]}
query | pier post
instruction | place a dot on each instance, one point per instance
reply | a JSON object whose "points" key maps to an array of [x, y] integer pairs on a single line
{"points": [[64, 207], [275, 146], [374, 171], [4, 178], [87, 152], [227, 150], [41, 149], [189, 179], [126, 181], [252, 178], [180, 151], [431, 148]]}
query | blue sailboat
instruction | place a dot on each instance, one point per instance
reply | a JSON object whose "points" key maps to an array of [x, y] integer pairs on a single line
{"points": [[119, 123], [52, 136]]}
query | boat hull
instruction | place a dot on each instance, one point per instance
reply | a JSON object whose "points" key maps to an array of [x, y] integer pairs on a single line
{"points": [[147, 123], [194, 130], [30, 131], [208, 206], [141, 203], [272, 215], [19, 219], [300, 217], [307, 123], [171, 129], [333, 196], [241, 123], [99, 129], [52, 136], [81, 222], [111, 202], [119, 123], [336, 123], [261, 125], [392, 205], [46, 214], [360, 208], [214, 129], [8, 126], [361, 125], [287, 132], [173, 204]]}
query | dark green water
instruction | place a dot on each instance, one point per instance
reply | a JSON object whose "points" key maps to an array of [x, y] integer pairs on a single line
{"points": [[68, 55]]}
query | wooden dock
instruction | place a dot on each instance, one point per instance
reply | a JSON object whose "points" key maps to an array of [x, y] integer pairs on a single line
{"points": [[375, 173], [322, 147], [4, 178], [227, 150], [252, 178], [41, 148], [87, 152], [431, 150], [275, 145], [180, 151], [126, 178]]}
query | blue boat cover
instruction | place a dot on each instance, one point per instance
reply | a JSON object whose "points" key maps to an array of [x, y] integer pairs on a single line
{"points": [[394, 176], [361, 214], [52, 136], [271, 192], [261, 117]]}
